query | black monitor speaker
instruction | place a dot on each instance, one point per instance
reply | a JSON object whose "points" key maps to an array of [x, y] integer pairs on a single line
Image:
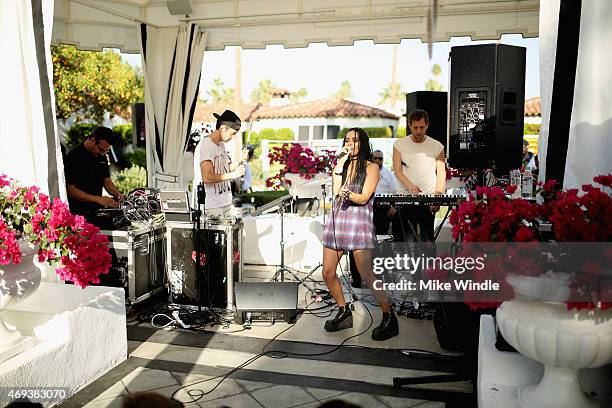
{"points": [[138, 125], [487, 98], [270, 301], [436, 105]]}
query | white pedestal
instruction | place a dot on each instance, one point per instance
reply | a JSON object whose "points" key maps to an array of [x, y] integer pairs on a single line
{"points": [[80, 335], [17, 344], [302, 236], [502, 374]]}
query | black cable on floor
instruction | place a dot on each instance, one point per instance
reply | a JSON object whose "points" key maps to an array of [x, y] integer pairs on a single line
{"points": [[277, 354]]}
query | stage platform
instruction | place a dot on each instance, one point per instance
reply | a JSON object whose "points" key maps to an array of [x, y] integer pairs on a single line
{"points": [[164, 360]]}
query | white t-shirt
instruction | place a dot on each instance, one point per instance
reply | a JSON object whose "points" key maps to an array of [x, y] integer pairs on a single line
{"points": [[217, 194], [420, 162], [386, 184]]}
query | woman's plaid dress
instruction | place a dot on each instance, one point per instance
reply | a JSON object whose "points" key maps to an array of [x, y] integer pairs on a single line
{"points": [[350, 226]]}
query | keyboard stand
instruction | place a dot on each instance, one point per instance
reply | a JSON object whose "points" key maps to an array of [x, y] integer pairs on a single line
{"points": [[440, 378], [437, 231], [400, 218]]}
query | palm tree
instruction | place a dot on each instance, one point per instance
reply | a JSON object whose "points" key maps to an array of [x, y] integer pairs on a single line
{"points": [[263, 92], [238, 80], [391, 95], [432, 84], [345, 90], [220, 94], [297, 95]]}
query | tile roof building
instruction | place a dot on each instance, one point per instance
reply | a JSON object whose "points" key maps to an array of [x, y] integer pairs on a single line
{"points": [[532, 107], [311, 120]]}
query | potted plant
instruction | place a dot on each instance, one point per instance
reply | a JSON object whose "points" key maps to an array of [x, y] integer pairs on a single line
{"points": [[33, 225], [571, 328], [299, 164]]}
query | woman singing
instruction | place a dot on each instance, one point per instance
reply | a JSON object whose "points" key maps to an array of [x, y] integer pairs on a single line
{"points": [[351, 228]]}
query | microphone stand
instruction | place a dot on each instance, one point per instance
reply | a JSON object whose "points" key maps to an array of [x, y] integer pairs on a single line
{"points": [[200, 200], [324, 196]]}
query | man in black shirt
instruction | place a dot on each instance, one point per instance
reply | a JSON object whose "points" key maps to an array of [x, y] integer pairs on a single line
{"points": [[87, 172]]}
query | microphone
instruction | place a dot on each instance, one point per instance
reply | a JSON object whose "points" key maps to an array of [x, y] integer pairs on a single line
{"points": [[343, 153], [201, 194]]}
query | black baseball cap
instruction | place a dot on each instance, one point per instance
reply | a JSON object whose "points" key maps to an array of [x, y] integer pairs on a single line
{"points": [[229, 118]]}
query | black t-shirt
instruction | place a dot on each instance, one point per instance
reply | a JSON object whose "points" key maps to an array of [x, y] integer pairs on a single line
{"points": [[87, 172]]}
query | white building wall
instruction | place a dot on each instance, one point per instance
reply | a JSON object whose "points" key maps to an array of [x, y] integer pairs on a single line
{"points": [[294, 124]]}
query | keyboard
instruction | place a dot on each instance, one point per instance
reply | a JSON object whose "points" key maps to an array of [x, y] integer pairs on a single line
{"points": [[411, 199]]}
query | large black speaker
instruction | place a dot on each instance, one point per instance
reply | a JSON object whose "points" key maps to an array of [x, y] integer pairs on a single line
{"points": [[436, 105], [221, 257], [457, 326], [486, 106], [138, 125]]}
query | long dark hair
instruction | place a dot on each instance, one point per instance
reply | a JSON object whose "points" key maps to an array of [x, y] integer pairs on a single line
{"points": [[365, 155]]}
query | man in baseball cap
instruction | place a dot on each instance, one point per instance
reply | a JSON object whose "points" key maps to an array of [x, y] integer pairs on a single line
{"points": [[216, 166], [229, 119]]}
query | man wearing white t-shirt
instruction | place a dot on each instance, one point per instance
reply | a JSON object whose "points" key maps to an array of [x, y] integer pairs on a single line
{"points": [[216, 166], [419, 166]]}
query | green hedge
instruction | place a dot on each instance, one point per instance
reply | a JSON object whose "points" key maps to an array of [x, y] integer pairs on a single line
{"points": [[129, 179], [80, 131], [378, 132], [270, 134], [284, 134], [262, 197], [77, 133], [401, 132], [137, 158], [123, 133], [245, 137]]}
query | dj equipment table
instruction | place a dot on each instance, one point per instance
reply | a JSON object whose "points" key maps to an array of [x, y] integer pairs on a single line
{"points": [[138, 263]]}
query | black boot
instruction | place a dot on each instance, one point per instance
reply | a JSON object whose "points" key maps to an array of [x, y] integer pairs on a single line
{"points": [[388, 327], [343, 320]]}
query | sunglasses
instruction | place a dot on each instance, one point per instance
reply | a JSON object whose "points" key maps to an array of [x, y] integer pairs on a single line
{"points": [[378, 158]]}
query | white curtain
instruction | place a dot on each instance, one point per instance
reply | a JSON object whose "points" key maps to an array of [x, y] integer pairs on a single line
{"points": [[549, 20], [29, 146], [172, 63], [589, 151], [589, 146]]}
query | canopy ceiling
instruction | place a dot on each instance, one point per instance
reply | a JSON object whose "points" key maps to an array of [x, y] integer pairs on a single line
{"points": [[96, 24]]}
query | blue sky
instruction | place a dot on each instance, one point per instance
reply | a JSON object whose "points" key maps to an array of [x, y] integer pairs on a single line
{"points": [[367, 66]]}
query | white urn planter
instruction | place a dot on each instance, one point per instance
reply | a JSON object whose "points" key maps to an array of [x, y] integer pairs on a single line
{"points": [[17, 282], [564, 341]]}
